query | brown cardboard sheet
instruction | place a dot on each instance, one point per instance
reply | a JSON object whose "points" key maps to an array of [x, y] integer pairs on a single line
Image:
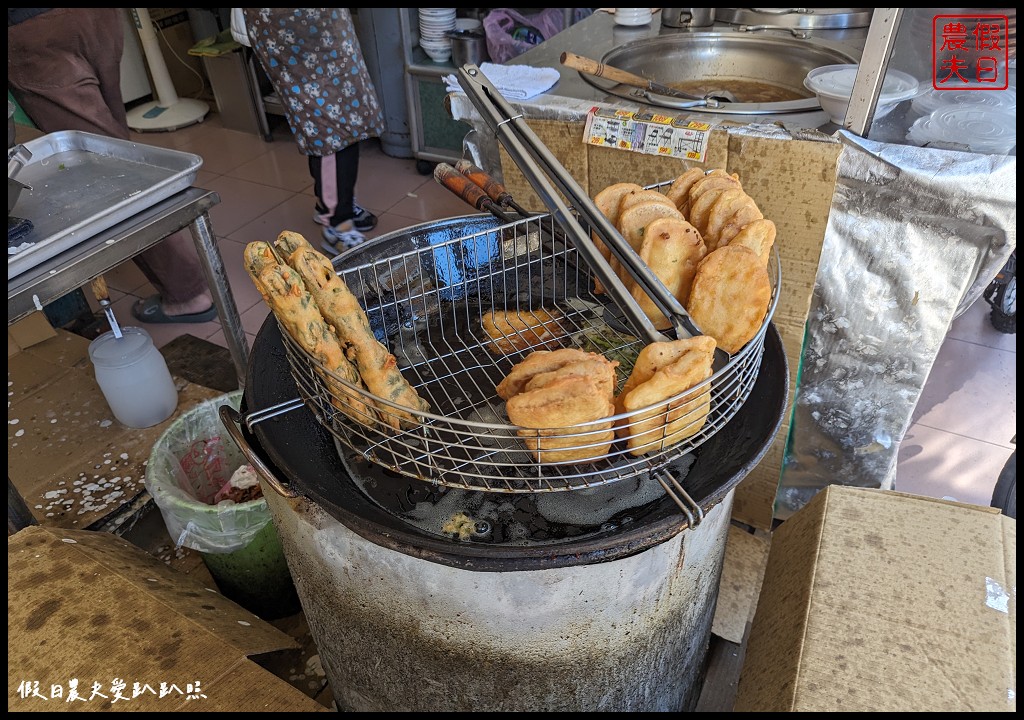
{"points": [[791, 180], [881, 601], [746, 555], [90, 611], [70, 460]]}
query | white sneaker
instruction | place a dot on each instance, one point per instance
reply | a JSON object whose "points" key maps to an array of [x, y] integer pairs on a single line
{"points": [[341, 238], [364, 219]]}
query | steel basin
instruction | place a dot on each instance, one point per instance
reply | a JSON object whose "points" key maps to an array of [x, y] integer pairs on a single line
{"points": [[740, 63]]}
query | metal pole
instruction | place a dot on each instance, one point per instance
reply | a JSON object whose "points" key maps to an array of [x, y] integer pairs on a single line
{"points": [[881, 38]]}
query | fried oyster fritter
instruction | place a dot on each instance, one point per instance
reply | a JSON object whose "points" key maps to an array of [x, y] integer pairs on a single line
{"points": [[671, 248], [512, 331], [662, 371], [551, 393], [608, 202], [759, 236], [730, 296]]}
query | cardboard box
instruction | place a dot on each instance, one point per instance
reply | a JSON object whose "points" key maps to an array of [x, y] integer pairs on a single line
{"points": [[71, 461], [90, 612], [881, 601], [792, 179]]}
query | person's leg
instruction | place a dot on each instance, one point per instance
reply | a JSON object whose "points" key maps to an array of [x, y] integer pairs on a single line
{"points": [[63, 67], [173, 268], [334, 182]]}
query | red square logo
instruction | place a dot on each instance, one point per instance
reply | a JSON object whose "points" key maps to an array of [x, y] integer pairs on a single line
{"points": [[970, 52]]}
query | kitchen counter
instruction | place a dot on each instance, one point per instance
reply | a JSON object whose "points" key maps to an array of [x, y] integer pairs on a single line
{"points": [[598, 34], [572, 97]]}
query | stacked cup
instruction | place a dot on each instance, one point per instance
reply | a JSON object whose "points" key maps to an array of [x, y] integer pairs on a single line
{"points": [[435, 23]]}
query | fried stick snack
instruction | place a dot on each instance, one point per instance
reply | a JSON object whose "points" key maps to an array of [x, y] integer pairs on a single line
{"points": [[339, 307], [294, 308]]}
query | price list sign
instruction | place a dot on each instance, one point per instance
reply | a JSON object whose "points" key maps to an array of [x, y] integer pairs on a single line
{"points": [[648, 133]]}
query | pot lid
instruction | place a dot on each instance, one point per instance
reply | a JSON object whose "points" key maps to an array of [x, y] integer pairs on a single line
{"points": [[797, 18], [837, 81]]}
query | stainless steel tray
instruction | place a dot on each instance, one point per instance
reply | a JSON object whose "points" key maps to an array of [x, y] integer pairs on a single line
{"points": [[83, 183]]}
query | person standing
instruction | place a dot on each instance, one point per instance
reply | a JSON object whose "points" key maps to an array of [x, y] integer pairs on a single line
{"points": [[64, 69], [314, 62]]}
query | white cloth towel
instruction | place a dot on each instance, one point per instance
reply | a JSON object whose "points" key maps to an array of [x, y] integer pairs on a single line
{"points": [[514, 82]]}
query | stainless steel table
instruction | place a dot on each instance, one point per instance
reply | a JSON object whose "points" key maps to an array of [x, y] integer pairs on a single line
{"points": [[88, 260]]}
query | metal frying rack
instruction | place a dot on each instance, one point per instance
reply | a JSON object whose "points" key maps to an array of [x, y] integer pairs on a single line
{"points": [[427, 302]]}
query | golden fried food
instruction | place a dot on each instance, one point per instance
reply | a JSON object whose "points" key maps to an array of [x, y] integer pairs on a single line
{"points": [[657, 355], [759, 236], [598, 369], [632, 222], [700, 208], [257, 256], [679, 191], [537, 362], [745, 214], [339, 307], [732, 204], [288, 243], [636, 197], [295, 310], [554, 412], [655, 419], [607, 201], [551, 393], [671, 248], [512, 331], [730, 296]]}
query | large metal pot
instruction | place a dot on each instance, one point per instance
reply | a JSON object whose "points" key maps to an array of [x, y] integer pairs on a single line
{"points": [[595, 609], [764, 73]]}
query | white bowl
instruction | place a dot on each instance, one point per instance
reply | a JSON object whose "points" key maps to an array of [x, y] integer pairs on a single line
{"points": [[833, 84]]}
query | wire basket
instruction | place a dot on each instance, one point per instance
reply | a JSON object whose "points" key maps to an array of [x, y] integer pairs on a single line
{"points": [[427, 306]]}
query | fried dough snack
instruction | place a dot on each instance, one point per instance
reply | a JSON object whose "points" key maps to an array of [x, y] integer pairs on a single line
{"points": [[515, 331], [671, 248], [759, 236], [607, 201], [284, 291], [639, 196], [662, 371], [551, 393], [679, 191], [733, 209], [730, 296], [553, 411], [632, 222], [339, 307], [537, 362], [746, 213]]}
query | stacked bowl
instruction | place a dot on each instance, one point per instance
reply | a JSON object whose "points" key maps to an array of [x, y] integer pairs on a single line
{"points": [[976, 120], [435, 24]]}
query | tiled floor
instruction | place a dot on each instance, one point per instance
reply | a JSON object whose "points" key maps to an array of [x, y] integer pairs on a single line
{"points": [[962, 429]]}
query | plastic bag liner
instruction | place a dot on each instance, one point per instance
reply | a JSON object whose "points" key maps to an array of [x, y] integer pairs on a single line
{"points": [[187, 466]]}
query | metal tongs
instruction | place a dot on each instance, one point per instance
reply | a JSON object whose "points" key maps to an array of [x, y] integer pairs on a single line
{"points": [[549, 178]]}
